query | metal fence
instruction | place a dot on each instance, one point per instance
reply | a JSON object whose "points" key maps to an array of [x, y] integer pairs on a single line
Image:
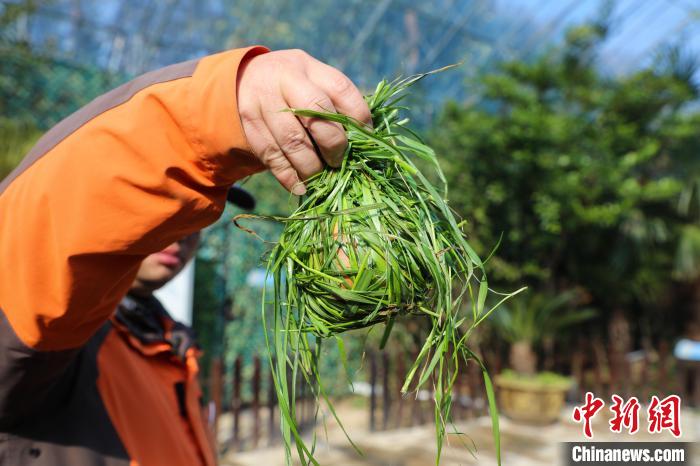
{"points": [[596, 365]]}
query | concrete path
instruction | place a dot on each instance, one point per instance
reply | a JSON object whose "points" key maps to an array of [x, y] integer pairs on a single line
{"points": [[522, 445]]}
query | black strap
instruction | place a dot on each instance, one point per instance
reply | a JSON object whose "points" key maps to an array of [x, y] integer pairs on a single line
{"points": [[180, 394]]}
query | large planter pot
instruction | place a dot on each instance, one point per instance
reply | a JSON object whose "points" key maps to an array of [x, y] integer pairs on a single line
{"points": [[531, 401]]}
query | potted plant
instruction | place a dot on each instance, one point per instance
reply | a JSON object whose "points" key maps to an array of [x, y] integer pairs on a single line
{"points": [[528, 321]]}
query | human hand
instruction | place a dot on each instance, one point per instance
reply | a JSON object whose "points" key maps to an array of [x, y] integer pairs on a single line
{"points": [[272, 82]]}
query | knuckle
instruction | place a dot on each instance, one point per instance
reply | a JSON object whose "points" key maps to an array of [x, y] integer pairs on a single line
{"points": [[271, 156], [294, 142], [298, 53], [342, 85], [320, 102], [248, 117], [335, 140]]}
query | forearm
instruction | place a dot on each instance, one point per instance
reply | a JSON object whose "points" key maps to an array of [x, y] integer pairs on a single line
{"points": [[125, 176]]}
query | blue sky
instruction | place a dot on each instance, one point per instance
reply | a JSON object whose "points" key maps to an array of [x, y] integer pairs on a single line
{"points": [[642, 25]]}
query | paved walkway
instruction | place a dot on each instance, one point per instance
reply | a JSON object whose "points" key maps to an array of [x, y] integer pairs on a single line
{"points": [[522, 445]]}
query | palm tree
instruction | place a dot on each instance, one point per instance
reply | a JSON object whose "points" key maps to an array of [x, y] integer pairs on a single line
{"points": [[531, 318]]}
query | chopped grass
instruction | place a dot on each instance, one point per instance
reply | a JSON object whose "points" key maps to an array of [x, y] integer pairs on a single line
{"points": [[370, 242]]}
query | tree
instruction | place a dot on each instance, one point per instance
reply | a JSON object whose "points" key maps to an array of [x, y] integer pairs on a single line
{"points": [[16, 138], [579, 171], [533, 319], [36, 91]]}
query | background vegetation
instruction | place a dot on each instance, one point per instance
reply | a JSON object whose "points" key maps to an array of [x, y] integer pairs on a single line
{"points": [[591, 178]]}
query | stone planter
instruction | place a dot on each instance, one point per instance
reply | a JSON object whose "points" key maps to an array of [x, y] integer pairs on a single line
{"points": [[531, 401]]}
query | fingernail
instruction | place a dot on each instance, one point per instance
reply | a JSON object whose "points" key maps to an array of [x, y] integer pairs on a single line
{"points": [[299, 189]]}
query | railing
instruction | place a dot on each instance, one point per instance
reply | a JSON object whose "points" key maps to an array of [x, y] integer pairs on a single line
{"points": [[389, 409], [607, 369], [251, 416], [595, 366]]}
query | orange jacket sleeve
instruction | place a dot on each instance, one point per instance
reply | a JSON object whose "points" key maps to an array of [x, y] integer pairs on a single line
{"points": [[130, 173]]}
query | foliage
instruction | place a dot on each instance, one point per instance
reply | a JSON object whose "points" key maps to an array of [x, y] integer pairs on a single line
{"points": [[687, 259], [41, 91], [12, 11], [16, 138], [686, 265], [35, 88], [579, 171], [532, 317]]}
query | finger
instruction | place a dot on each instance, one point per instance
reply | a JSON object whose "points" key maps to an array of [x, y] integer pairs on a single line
{"points": [[291, 137], [266, 149], [346, 97], [329, 137]]}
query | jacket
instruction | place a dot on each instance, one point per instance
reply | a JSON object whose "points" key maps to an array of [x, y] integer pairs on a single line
{"points": [[133, 171]]}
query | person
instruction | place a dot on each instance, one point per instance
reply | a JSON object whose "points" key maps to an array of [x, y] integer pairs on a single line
{"points": [[134, 171]]}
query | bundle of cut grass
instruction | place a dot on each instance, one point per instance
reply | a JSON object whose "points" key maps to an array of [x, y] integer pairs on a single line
{"points": [[371, 242]]}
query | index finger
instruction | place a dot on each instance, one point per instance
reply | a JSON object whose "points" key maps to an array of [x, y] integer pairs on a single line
{"points": [[346, 97]]}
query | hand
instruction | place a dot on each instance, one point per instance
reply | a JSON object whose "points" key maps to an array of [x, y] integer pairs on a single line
{"points": [[270, 83]]}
